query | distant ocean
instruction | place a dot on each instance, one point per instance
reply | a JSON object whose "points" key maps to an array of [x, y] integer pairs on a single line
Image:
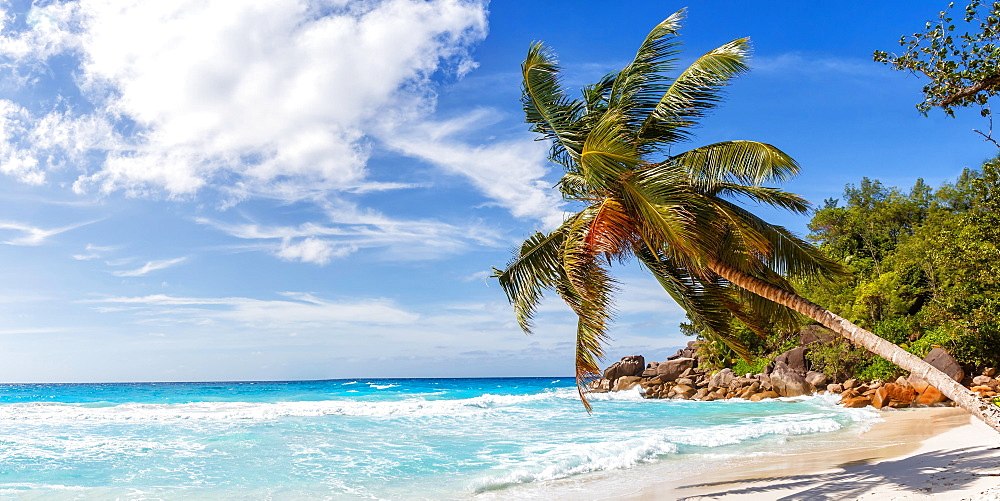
{"points": [[378, 438]]}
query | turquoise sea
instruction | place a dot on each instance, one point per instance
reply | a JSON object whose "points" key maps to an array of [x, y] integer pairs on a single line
{"points": [[378, 438]]}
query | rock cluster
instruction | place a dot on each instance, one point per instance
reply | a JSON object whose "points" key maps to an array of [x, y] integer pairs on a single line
{"points": [[789, 375]]}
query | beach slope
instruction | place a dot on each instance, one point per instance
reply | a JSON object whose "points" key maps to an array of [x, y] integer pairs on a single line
{"points": [[938, 453]]}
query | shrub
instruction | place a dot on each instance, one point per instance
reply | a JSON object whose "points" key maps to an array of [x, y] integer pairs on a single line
{"points": [[879, 368], [755, 366], [837, 359]]}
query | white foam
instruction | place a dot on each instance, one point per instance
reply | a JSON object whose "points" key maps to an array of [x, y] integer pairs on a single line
{"points": [[382, 386], [564, 460], [237, 411]]}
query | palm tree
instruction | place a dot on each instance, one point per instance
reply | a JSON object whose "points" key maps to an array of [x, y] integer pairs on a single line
{"points": [[674, 212]]}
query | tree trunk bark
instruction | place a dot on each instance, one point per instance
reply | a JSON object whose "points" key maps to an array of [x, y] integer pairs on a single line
{"points": [[968, 400]]}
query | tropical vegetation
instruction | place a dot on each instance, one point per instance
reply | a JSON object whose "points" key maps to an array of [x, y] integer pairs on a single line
{"points": [[676, 213]]}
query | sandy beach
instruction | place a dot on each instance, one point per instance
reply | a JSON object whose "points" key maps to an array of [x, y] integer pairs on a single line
{"points": [[939, 453]]}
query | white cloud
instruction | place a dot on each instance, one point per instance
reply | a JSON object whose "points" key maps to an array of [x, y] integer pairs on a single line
{"points": [[311, 250], [270, 97], [299, 310], [149, 267], [349, 229], [93, 252], [509, 172], [32, 235]]}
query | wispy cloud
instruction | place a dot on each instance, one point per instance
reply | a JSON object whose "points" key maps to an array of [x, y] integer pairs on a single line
{"points": [[93, 252], [33, 235], [349, 229], [149, 267], [510, 172], [299, 309]]}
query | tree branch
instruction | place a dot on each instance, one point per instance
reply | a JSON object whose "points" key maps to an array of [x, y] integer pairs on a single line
{"points": [[984, 84]]}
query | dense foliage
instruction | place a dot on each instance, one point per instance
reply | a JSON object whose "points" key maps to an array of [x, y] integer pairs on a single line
{"points": [[923, 271]]}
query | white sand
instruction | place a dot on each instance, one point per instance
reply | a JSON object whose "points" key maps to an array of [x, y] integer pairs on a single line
{"points": [[939, 453]]}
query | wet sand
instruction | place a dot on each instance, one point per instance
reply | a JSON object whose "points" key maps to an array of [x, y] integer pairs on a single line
{"points": [[938, 453]]}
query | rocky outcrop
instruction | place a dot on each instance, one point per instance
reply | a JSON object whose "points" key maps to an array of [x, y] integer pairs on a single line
{"points": [[632, 365], [721, 379], [672, 369], [787, 382], [626, 383], [817, 379], [943, 361], [680, 377], [795, 359]]}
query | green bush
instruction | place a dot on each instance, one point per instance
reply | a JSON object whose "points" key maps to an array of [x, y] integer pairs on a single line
{"points": [[895, 330], [837, 359], [936, 337], [755, 366], [879, 368]]}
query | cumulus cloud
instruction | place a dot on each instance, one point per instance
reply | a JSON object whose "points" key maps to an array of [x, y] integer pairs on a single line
{"points": [[150, 266], [271, 94]]}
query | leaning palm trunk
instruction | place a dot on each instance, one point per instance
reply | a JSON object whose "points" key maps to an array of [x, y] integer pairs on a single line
{"points": [[966, 399]]}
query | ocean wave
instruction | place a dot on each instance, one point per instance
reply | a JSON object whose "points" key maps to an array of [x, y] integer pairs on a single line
{"points": [[238, 411], [556, 461], [573, 459], [382, 386]]}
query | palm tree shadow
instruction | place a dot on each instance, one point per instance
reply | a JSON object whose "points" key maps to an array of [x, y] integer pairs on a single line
{"points": [[929, 473]]}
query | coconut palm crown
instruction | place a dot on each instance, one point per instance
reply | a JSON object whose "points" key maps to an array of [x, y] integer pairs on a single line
{"points": [[674, 212]]}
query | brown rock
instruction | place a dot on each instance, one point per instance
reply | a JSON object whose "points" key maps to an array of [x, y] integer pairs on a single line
{"points": [[787, 382], [850, 383], [880, 398], [628, 366], [983, 381], [700, 394], [857, 402], [721, 379], [626, 383], [835, 388], [943, 361], [817, 379], [795, 359], [940, 358], [672, 369], [990, 371], [757, 397], [930, 396]]}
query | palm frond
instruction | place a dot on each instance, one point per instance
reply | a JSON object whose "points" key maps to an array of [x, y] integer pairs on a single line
{"points": [[546, 104], [774, 197], [695, 91], [707, 303], [789, 255], [670, 213], [534, 269], [607, 154], [638, 86], [744, 162], [612, 232]]}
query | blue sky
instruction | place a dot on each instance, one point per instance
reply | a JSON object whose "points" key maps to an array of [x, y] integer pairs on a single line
{"points": [[217, 190]]}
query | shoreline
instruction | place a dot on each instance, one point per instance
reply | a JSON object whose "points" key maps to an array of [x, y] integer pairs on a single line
{"points": [[938, 452]]}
